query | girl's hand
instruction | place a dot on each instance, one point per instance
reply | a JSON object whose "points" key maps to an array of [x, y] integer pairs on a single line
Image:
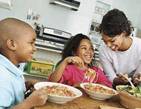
{"points": [[75, 60], [136, 79], [90, 75], [77, 85]]}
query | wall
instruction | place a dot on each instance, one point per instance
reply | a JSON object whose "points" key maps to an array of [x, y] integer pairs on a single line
{"points": [[54, 16], [67, 20], [132, 9]]}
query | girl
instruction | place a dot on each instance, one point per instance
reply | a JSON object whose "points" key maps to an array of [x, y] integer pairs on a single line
{"points": [[76, 64]]}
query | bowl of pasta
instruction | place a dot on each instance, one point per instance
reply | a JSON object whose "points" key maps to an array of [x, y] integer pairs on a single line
{"points": [[98, 91], [59, 93]]}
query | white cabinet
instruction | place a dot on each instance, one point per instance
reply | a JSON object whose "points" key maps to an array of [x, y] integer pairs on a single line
{"points": [[6, 4], [101, 8], [47, 55]]}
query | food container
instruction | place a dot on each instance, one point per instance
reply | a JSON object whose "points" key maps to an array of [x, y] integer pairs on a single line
{"points": [[42, 68], [98, 91], [129, 101], [56, 95]]}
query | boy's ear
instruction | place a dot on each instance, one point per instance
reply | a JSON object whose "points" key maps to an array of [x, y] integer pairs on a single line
{"points": [[11, 44]]}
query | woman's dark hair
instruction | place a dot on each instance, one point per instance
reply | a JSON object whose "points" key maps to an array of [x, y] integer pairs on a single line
{"points": [[72, 45], [114, 23]]}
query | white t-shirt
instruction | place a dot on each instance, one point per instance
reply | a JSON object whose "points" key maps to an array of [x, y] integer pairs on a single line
{"points": [[115, 62]]}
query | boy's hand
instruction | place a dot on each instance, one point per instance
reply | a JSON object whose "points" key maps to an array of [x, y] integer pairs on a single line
{"points": [[30, 84], [136, 79], [37, 98], [30, 87]]}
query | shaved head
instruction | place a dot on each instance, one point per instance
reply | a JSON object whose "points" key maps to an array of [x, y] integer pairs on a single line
{"points": [[17, 40], [12, 28]]}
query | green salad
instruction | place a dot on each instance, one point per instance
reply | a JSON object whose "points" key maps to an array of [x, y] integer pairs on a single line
{"points": [[136, 91]]}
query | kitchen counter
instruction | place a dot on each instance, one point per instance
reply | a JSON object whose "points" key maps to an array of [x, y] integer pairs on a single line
{"points": [[83, 102]]}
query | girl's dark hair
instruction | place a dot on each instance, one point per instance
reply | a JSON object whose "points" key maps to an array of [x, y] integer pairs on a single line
{"points": [[114, 23], [72, 45]]}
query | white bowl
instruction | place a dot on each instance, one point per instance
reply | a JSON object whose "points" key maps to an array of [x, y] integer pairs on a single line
{"points": [[56, 98], [97, 94]]}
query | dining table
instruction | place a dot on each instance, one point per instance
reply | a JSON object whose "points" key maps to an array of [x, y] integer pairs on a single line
{"points": [[84, 102]]}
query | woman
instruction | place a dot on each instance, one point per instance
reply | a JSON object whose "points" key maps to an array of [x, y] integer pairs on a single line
{"points": [[121, 53]]}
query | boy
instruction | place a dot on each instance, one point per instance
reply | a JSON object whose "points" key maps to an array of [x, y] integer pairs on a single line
{"points": [[17, 45]]}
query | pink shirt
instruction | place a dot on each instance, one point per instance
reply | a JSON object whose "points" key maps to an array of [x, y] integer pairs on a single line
{"points": [[73, 75]]}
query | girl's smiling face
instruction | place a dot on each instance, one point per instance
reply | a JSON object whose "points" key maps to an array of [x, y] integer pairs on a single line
{"points": [[85, 51]]}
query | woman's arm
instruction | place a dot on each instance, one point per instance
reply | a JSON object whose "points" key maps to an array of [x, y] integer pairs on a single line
{"points": [[107, 65], [137, 76]]}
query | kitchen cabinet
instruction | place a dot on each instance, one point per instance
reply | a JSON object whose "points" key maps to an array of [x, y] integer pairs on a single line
{"points": [[101, 8], [49, 43], [6, 4], [44, 55]]}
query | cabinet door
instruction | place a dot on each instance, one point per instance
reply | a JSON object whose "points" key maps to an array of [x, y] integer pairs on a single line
{"points": [[101, 8], [6, 4]]}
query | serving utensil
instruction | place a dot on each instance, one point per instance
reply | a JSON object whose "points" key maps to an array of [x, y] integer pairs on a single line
{"points": [[129, 80]]}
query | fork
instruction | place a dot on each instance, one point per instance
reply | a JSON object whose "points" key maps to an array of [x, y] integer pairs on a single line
{"points": [[85, 78]]}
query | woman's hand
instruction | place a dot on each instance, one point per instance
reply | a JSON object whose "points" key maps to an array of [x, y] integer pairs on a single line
{"points": [[120, 80], [136, 79]]}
